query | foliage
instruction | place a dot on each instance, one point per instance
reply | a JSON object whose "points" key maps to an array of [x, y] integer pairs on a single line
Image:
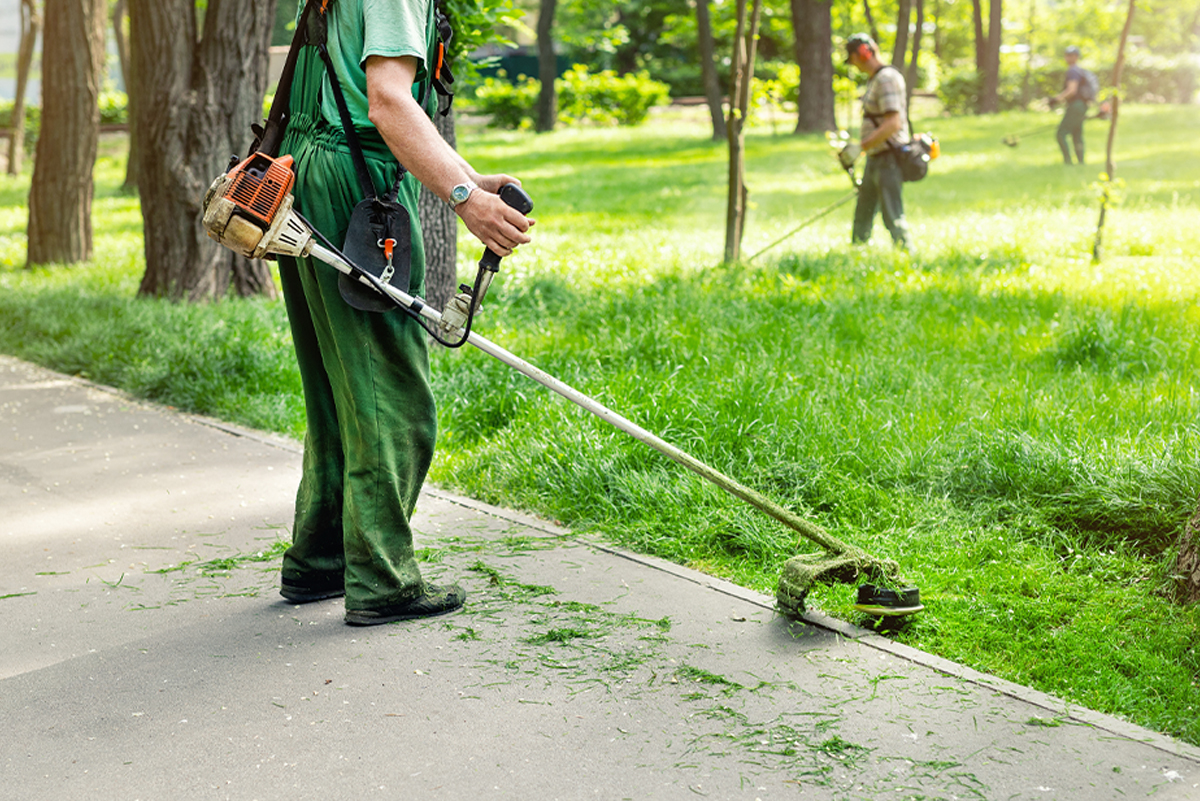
{"points": [[477, 23], [603, 98], [606, 98], [509, 105], [114, 108]]}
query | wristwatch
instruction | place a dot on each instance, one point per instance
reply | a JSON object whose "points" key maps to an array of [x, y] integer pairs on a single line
{"points": [[460, 193]]}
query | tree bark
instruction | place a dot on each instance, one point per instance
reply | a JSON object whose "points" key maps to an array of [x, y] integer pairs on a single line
{"points": [[871, 21], [900, 47], [1187, 563], [196, 98], [812, 26], [60, 197], [31, 26], [547, 105], [708, 70], [120, 15], [745, 47], [439, 232], [990, 100], [912, 76]]}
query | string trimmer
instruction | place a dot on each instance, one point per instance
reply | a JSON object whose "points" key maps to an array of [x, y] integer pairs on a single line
{"points": [[837, 140], [249, 210], [1013, 140]]}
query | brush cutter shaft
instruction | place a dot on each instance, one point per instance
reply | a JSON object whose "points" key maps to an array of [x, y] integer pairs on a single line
{"points": [[762, 503]]}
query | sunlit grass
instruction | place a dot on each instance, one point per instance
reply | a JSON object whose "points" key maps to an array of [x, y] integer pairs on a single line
{"points": [[1016, 425]]}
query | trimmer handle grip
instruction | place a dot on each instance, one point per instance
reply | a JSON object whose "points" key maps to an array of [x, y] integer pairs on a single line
{"points": [[517, 198]]}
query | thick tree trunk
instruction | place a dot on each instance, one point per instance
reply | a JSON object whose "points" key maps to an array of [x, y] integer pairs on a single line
{"points": [[196, 99], [439, 232], [745, 47], [708, 70], [813, 30], [912, 77], [60, 197], [120, 15], [547, 105], [31, 26], [900, 48]]}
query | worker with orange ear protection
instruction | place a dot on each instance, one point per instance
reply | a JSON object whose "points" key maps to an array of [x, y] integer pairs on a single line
{"points": [[884, 125]]}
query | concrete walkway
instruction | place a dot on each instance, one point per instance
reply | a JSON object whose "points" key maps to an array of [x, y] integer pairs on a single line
{"points": [[145, 654]]}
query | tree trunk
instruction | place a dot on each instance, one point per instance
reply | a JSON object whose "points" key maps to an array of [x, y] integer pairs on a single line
{"points": [[912, 76], [813, 30], [547, 106], [196, 98], [745, 47], [708, 70], [439, 232], [990, 101], [1187, 563], [31, 26], [871, 21], [60, 197], [120, 16], [900, 47]]}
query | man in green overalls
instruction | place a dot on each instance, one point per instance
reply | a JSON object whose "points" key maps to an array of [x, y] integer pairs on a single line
{"points": [[370, 410]]}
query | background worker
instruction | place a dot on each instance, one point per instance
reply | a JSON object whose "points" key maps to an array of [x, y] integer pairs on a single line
{"points": [[1074, 95], [885, 123], [369, 407]]}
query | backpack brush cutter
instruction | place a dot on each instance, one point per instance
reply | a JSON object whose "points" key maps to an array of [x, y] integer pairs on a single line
{"points": [[249, 210]]}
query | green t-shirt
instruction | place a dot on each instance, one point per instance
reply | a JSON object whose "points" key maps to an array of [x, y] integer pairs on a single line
{"points": [[362, 28]]}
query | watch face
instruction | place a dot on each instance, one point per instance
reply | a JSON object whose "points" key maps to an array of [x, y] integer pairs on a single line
{"points": [[460, 193]]}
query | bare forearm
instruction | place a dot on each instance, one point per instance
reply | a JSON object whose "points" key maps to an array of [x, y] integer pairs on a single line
{"points": [[889, 127], [416, 143]]}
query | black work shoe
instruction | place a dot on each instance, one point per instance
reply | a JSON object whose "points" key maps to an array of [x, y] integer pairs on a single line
{"points": [[316, 589], [436, 599]]}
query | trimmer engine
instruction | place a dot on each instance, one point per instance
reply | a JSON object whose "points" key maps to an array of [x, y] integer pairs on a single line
{"points": [[248, 209]]}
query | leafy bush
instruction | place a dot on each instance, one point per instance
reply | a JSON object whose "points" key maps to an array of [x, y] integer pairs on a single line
{"points": [[601, 97], [608, 98], [511, 105], [114, 108], [1147, 78]]}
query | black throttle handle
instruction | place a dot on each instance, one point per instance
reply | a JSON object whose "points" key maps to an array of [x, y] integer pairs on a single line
{"points": [[517, 198]]}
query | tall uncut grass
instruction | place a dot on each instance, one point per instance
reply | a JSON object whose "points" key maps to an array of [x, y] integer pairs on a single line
{"points": [[1013, 424]]}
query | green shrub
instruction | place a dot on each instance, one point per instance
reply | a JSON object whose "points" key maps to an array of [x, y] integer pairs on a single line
{"points": [[511, 105], [114, 108], [600, 97], [608, 98]]}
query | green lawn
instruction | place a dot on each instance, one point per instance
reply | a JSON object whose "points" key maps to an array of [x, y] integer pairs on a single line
{"points": [[1013, 424]]}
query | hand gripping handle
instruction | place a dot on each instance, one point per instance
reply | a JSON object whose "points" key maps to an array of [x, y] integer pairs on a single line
{"points": [[515, 197]]}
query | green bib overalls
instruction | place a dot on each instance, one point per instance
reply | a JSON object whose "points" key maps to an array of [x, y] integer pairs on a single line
{"points": [[369, 406]]}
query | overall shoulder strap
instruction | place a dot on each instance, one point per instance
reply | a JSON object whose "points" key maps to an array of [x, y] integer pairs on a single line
{"points": [[269, 136]]}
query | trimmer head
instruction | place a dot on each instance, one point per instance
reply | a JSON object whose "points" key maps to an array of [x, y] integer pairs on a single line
{"points": [[885, 602], [1011, 141]]}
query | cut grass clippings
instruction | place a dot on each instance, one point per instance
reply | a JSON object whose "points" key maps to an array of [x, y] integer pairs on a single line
{"points": [[1013, 424]]}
